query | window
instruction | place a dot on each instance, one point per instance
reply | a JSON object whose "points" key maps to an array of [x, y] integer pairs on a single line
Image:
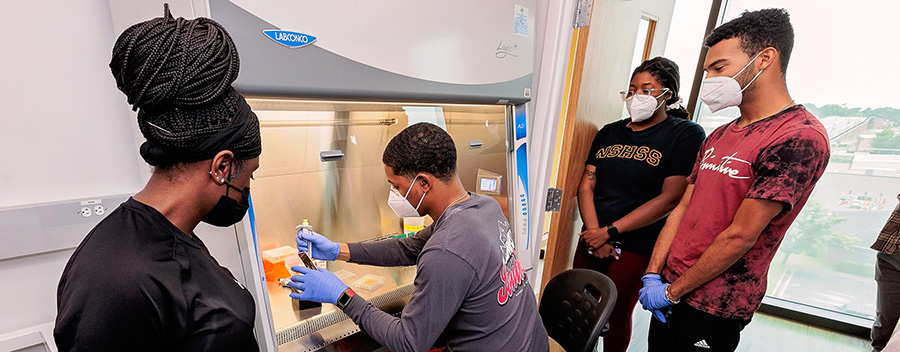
{"points": [[642, 46], [644, 41]]}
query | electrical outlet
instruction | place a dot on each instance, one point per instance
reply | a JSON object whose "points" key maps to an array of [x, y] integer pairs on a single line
{"points": [[99, 210], [85, 212]]}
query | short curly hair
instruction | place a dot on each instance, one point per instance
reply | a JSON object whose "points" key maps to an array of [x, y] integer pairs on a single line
{"points": [[759, 30], [423, 147]]}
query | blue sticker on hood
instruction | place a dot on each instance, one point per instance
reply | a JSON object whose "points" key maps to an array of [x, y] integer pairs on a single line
{"points": [[289, 39]]}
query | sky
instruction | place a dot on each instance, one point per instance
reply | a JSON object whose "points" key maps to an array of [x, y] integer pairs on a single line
{"points": [[845, 52]]}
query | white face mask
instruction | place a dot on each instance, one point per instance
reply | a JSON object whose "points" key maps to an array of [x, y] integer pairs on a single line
{"points": [[400, 205], [722, 91], [642, 106]]}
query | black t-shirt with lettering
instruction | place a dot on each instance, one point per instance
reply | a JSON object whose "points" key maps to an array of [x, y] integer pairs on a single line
{"points": [[631, 168]]}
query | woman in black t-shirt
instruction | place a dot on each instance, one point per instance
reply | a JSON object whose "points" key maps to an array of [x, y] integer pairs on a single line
{"points": [[634, 176], [141, 280]]}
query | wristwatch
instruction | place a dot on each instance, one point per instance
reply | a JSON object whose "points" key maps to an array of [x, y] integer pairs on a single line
{"points": [[612, 230], [345, 298]]}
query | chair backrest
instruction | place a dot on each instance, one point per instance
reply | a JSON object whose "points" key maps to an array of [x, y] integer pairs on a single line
{"points": [[575, 307]]}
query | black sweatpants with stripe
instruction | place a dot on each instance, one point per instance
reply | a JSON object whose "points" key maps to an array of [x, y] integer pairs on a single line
{"points": [[688, 329]]}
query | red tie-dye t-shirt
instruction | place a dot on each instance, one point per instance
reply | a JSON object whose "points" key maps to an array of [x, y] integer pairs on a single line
{"points": [[779, 158]]}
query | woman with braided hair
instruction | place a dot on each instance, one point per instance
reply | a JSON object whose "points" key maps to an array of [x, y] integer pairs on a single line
{"points": [[634, 176], [141, 280]]}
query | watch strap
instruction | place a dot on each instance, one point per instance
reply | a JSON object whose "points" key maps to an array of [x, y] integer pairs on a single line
{"points": [[612, 230]]}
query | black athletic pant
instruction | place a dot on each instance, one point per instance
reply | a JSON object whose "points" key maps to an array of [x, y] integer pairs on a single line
{"points": [[688, 329]]}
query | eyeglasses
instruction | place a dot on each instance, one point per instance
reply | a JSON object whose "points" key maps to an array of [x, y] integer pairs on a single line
{"points": [[649, 91]]}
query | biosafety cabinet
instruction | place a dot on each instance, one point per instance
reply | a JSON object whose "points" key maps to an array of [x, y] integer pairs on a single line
{"points": [[332, 83]]}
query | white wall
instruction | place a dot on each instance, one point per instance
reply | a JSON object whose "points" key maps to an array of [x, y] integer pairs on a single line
{"points": [[65, 133], [611, 42]]}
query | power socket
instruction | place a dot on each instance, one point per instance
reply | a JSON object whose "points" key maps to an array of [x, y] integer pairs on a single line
{"points": [[92, 207]]}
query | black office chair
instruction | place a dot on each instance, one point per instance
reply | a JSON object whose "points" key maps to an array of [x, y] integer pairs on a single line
{"points": [[575, 308]]}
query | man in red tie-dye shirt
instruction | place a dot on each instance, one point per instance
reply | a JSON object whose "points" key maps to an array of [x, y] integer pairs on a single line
{"points": [[707, 274]]}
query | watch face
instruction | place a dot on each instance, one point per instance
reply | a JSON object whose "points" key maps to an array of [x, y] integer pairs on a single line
{"points": [[343, 300]]}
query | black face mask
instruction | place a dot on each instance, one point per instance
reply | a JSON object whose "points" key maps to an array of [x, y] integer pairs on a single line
{"points": [[228, 211]]}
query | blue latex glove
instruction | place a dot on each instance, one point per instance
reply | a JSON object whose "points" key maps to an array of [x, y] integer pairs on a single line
{"points": [[651, 280], [654, 297], [322, 248], [659, 314], [317, 285]]}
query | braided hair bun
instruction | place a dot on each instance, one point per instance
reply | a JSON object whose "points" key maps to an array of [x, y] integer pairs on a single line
{"points": [[177, 74]]}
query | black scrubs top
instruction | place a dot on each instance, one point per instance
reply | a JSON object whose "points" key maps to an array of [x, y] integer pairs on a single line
{"points": [[137, 283]]}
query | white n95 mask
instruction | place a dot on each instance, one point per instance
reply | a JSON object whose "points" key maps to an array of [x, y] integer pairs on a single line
{"points": [[401, 206], [642, 106], [722, 91]]}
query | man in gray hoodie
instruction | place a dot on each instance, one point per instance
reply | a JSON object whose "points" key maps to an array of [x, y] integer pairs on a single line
{"points": [[469, 285]]}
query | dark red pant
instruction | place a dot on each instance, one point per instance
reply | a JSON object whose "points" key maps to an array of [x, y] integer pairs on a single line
{"points": [[626, 274]]}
